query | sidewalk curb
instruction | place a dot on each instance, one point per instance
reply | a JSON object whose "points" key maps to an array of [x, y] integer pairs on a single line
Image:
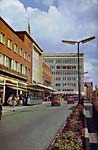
{"points": [[87, 141], [9, 110]]}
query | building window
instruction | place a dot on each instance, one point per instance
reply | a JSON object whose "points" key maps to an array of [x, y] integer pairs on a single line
{"points": [[25, 55], [58, 67], [20, 52], [1, 59], [13, 65], [15, 48], [23, 70], [29, 58], [18, 68], [2, 38], [7, 62], [29, 73], [63, 67], [26, 71], [58, 84], [9, 44]]}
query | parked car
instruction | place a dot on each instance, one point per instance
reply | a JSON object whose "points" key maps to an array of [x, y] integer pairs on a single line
{"points": [[55, 102], [70, 100]]}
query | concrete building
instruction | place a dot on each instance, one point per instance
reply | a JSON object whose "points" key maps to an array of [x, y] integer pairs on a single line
{"points": [[65, 72]]}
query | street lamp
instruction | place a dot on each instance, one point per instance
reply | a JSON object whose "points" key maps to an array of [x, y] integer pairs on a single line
{"points": [[78, 43], [84, 72]]}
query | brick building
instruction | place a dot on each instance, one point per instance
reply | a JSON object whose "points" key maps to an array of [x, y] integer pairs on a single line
{"points": [[21, 63]]}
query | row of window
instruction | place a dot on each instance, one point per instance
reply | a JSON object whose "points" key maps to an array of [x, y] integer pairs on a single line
{"points": [[17, 50], [65, 78], [69, 84], [12, 64], [63, 60], [66, 84], [60, 72], [71, 90], [65, 67]]}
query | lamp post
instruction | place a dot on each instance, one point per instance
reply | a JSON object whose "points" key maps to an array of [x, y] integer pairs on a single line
{"points": [[78, 44]]}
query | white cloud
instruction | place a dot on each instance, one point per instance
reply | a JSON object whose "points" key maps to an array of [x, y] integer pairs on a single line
{"points": [[15, 14], [9, 3], [47, 25]]}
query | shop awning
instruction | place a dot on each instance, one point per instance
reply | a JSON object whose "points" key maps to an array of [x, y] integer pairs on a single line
{"points": [[33, 87], [17, 88], [46, 87]]}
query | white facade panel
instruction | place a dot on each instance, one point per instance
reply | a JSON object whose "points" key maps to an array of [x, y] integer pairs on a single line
{"points": [[65, 71]]}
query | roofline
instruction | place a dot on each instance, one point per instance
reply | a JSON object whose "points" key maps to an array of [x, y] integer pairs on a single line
{"points": [[62, 54], [7, 24], [15, 32], [26, 33]]}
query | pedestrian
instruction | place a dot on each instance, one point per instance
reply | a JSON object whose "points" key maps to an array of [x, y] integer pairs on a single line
{"points": [[28, 100], [0, 107], [9, 101], [13, 102]]}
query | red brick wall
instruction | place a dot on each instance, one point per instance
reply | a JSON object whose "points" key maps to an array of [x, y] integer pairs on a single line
{"points": [[47, 75], [25, 45]]}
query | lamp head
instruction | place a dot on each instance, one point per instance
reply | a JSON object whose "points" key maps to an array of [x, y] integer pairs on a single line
{"points": [[69, 42], [87, 40]]}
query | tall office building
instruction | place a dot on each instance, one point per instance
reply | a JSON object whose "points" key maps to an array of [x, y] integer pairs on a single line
{"points": [[65, 71]]}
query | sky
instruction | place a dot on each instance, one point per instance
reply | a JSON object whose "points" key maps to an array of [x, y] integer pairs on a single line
{"points": [[52, 21]]}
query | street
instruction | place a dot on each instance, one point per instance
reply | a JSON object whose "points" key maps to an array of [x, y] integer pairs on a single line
{"points": [[32, 128]]}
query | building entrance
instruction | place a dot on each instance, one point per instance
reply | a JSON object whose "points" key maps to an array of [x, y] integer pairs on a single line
{"points": [[8, 92]]}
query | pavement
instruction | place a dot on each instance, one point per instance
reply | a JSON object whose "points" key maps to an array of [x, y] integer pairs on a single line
{"points": [[9, 109], [91, 129]]}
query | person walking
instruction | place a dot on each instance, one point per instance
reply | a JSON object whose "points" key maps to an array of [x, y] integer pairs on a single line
{"points": [[13, 102], [28, 100], [9, 101], [0, 107]]}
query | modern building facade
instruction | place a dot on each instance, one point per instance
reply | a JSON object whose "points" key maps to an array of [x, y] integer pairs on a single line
{"points": [[21, 63], [65, 71]]}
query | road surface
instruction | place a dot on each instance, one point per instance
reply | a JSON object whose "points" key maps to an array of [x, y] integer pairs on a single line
{"points": [[32, 128]]}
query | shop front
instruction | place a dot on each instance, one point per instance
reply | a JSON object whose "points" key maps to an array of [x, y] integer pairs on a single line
{"points": [[9, 86]]}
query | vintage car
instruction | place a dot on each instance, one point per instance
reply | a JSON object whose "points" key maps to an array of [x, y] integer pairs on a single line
{"points": [[70, 100], [55, 102]]}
